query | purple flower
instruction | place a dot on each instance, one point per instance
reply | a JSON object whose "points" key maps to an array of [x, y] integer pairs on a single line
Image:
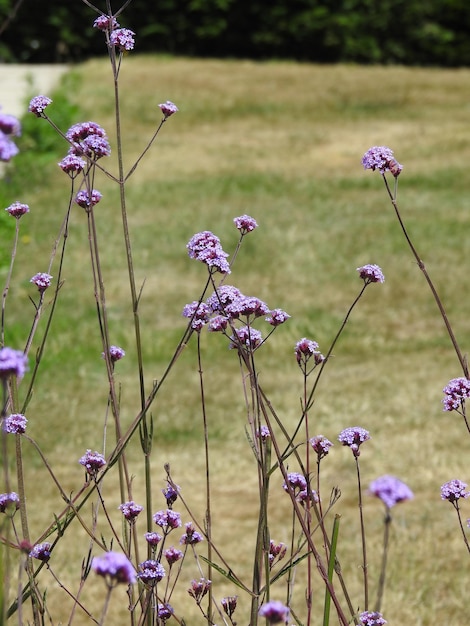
{"points": [[114, 566], [382, 159], [171, 494], [454, 490], [305, 349], [206, 247], [17, 209], [222, 297], [199, 313], [229, 604], [390, 490], [41, 551], [263, 433], [277, 317], [151, 572], [276, 552], [172, 555], [92, 462], [371, 274], [82, 130], [9, 125], [275, 612], [105, 22], [371, 618], [42, 281], [15, 424], [245, 224], [153, 539], [87, 200], [199, 588], [168, 108], [38, 104], [297, 484], [353, 437], [321, 445], [72, 165], [165, 611], [247, 337], [12, 363], [8, 148], [191, 536], [88, 138], [457, 390], [9, 501], [122, 38], [246, 306], [218, 324], [168, 520], [130, 510], [115, 353]]}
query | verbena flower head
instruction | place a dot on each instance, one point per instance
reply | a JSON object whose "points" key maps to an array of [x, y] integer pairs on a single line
{"points": [[15, 424], [168, 520], [321, 445], [353, 437], [87, 200], [277, 317], [41, 551], [275, 612], [38, 104], [263, 433], [218, 324], [456, 392], [12, 363], [92, 462], [245, 224], [191, 536], [115, 567], [246, 306], [381, 158], [130, 510], [199, 588], [305, 349], [171, 494], [168, 108], [199, 312], [8, 148], [206, 247], [173, 555], [105, 22], [17, 209], [42, 281], [371, 273], [165, 611], [153, 539], [454, 490], [88, 138], [115, 353], [10, 125], [247, 337], [298, 485], [229, 604], [390, 490], [72, 165], [276, 552], [122, 38], [9, 502], [371, 618], [151, 572], [222, 297]]}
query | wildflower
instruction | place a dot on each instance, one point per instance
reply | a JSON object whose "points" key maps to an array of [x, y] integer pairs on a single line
{"points": [[229, 604], [42, 281], [168, 108], [382, 159], [457, 390], [353, 437], [305, 349], [130, 510], [8, 149], [38, 104], [275, 612], [17, 209], [122, 38], [9, 501], [191, 536], [12, 363], [87, 200], [165, 611], [168, 519], [371, 618], [246, 337], [276, 551], [105, 22], [277, 317], [92, 462], [15, 424], [297, 484], [9, 125], [245, 306], [82, 130], [72, 165], [222, 297], [199, 588], [390, 490], [88, 138], [263, 433], [153, 539], [454, 490], [199, 313], [171, 494], [41, 551], [218, 323], [115, 353], [151, 572], [115, 567], [206, 247], [245, 224], [371, 274], [172, 555], [321, 445]]}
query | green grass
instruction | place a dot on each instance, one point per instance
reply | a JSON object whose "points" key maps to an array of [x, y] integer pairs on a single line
{"points": [[281, 142]]}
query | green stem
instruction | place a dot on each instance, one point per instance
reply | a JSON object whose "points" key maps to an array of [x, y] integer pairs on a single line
{"points": [[331, 569]]}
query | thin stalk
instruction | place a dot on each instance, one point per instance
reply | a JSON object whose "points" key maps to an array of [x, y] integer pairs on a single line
{"points": [[8, 280], [363, 539], [381, 587], [464, 534], [331, 569]]}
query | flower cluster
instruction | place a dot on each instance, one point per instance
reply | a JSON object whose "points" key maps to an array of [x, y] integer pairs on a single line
{"points": [[115, 567], [371, 274], [305, 349], [130, 510], [168, 108], [456, 391], [41, 551], [9, 127], [206, 247], [277, 551], [275, 612], [199, 588], [151, 572], [191, 536], [245, 224], [9, 501], [371, 618], [12, 363], [115, 353], [92, 462], [168, 520], [86, 199], [321, 445], [353, 437], [15, 424], [88, 139], [173, 555], [390, 490], [17, 209], [381, 158], [229, 604], [123, 39], [42, 281], [38, 104], [298, 485], [454, 490]]}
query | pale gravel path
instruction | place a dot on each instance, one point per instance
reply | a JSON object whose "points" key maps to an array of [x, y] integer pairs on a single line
{"points": [[17, 82]]}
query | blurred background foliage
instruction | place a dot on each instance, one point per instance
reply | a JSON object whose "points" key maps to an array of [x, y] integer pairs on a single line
{"points": [[408, 32]]}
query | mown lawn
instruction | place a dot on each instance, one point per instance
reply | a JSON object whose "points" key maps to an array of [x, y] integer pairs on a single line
{"points": [[282, 142]]}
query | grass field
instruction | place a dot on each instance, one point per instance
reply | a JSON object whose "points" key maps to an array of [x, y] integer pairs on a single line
{"points": [[282, 142]]}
